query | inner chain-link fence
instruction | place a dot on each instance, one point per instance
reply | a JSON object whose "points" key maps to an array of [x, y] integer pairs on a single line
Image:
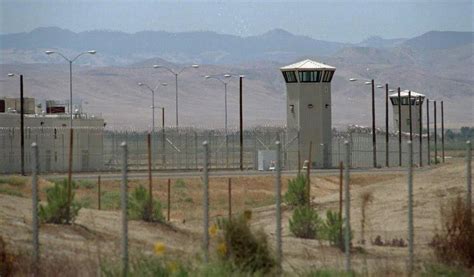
{"points": [[96, 149]]}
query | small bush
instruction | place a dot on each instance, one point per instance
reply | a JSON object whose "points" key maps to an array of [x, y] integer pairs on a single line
{"points": [[247, 250], [110, 200], [11, 192], [145, 266], [331, 230], [15, 181], [139, 206], [305, 223], [6, 259], [180, 184], [55, 211], [297, 194], [454, 244], [85, 184]]}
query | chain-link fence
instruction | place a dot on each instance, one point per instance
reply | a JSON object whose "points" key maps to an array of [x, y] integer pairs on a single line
{"points": [[96, 149]]}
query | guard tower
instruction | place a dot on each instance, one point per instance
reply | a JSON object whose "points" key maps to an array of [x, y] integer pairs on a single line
{"points": [[308, 89], [415, 103]]}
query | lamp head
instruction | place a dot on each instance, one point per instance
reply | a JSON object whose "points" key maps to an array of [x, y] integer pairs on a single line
{"points": [[368, 83], [195, 66], [92, 52], [391, 90], [352, 79], [156, 66], [227, 75], [207, 76], [164, 84], [379, 86], [242, 76], [11, 74], [48, 52], [140, 84]]}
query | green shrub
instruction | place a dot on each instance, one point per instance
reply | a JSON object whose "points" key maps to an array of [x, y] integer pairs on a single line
{"points": [[454, 243], [328, 273], [431, 270], [145, 266], [331, 229], [11, 192], [139, 206], [297, 193], [305, 223], [110, 200], [247, 250], [56, 210], [85, 184], [179, 184], [16, 181]]}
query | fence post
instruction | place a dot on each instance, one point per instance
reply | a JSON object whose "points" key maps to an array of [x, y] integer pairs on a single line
{"points": [[341, 169], [35, 227], [169, 198], [150, 179], [278, 205], [229, 186], [98, 192], [347, 208], [206, 201], [69, 175], [308, 173], [124, 204], [410, 207], [469, 175]]}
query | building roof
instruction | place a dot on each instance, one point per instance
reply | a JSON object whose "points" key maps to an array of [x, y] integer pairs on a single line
{"points": [[404, 93], [307, 64]]}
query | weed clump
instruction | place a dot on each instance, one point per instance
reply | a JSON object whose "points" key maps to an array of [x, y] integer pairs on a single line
{"points": [[246, 250], [140, 207], [305, 223], [454, 243], [297, 194], [6, 260], [58, 210]]}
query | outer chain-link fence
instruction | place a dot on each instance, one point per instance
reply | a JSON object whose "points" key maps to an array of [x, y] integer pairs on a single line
{"points": [[96, 149]]}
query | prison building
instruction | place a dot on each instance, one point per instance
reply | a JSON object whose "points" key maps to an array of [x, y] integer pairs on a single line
{"points": [[415, 103], [51, 132], [308, 91]]}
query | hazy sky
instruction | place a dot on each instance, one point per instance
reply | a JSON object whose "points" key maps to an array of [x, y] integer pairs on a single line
{"points": [[345, 21]]}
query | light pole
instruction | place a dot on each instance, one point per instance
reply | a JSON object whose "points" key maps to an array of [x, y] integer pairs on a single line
{"points": [[176, 74], [90, 52], [22, 123], [152, 101], [225, 82], [374, 135]]}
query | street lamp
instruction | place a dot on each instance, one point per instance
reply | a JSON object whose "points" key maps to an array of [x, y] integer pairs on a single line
{"points": [[175, 73], [225, 81], [374, 136], [90, 52], [22, 123], [152, 100]]}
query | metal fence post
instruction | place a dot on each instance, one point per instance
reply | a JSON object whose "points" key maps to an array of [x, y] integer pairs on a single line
{"points": [[206, 201], [469, 175], [278, 205], [410, 207], [124, 204], [98, 192], [229, 187], [347, 202], [35, 227], [169, 199]]}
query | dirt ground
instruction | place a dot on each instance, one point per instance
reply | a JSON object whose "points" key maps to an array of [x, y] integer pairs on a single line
{"points": [[96, 234]]}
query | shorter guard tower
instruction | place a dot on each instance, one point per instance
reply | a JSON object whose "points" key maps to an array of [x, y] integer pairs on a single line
{"points": [[415, 103], [308, 88]]}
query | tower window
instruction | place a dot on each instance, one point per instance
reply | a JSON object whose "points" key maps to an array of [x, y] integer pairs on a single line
{"points": [[290, 76], [327, 76], [310, 76]]}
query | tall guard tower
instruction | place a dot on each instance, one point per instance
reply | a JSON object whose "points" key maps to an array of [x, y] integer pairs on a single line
{"points": [[416, 103], [308, 89]]}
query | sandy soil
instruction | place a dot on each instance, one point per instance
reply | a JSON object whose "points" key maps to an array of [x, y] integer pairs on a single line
{"points": [[96, 233]]}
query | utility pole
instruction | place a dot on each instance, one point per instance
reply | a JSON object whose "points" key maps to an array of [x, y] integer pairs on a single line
{"points": [[241, 125], [374, 135]]}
